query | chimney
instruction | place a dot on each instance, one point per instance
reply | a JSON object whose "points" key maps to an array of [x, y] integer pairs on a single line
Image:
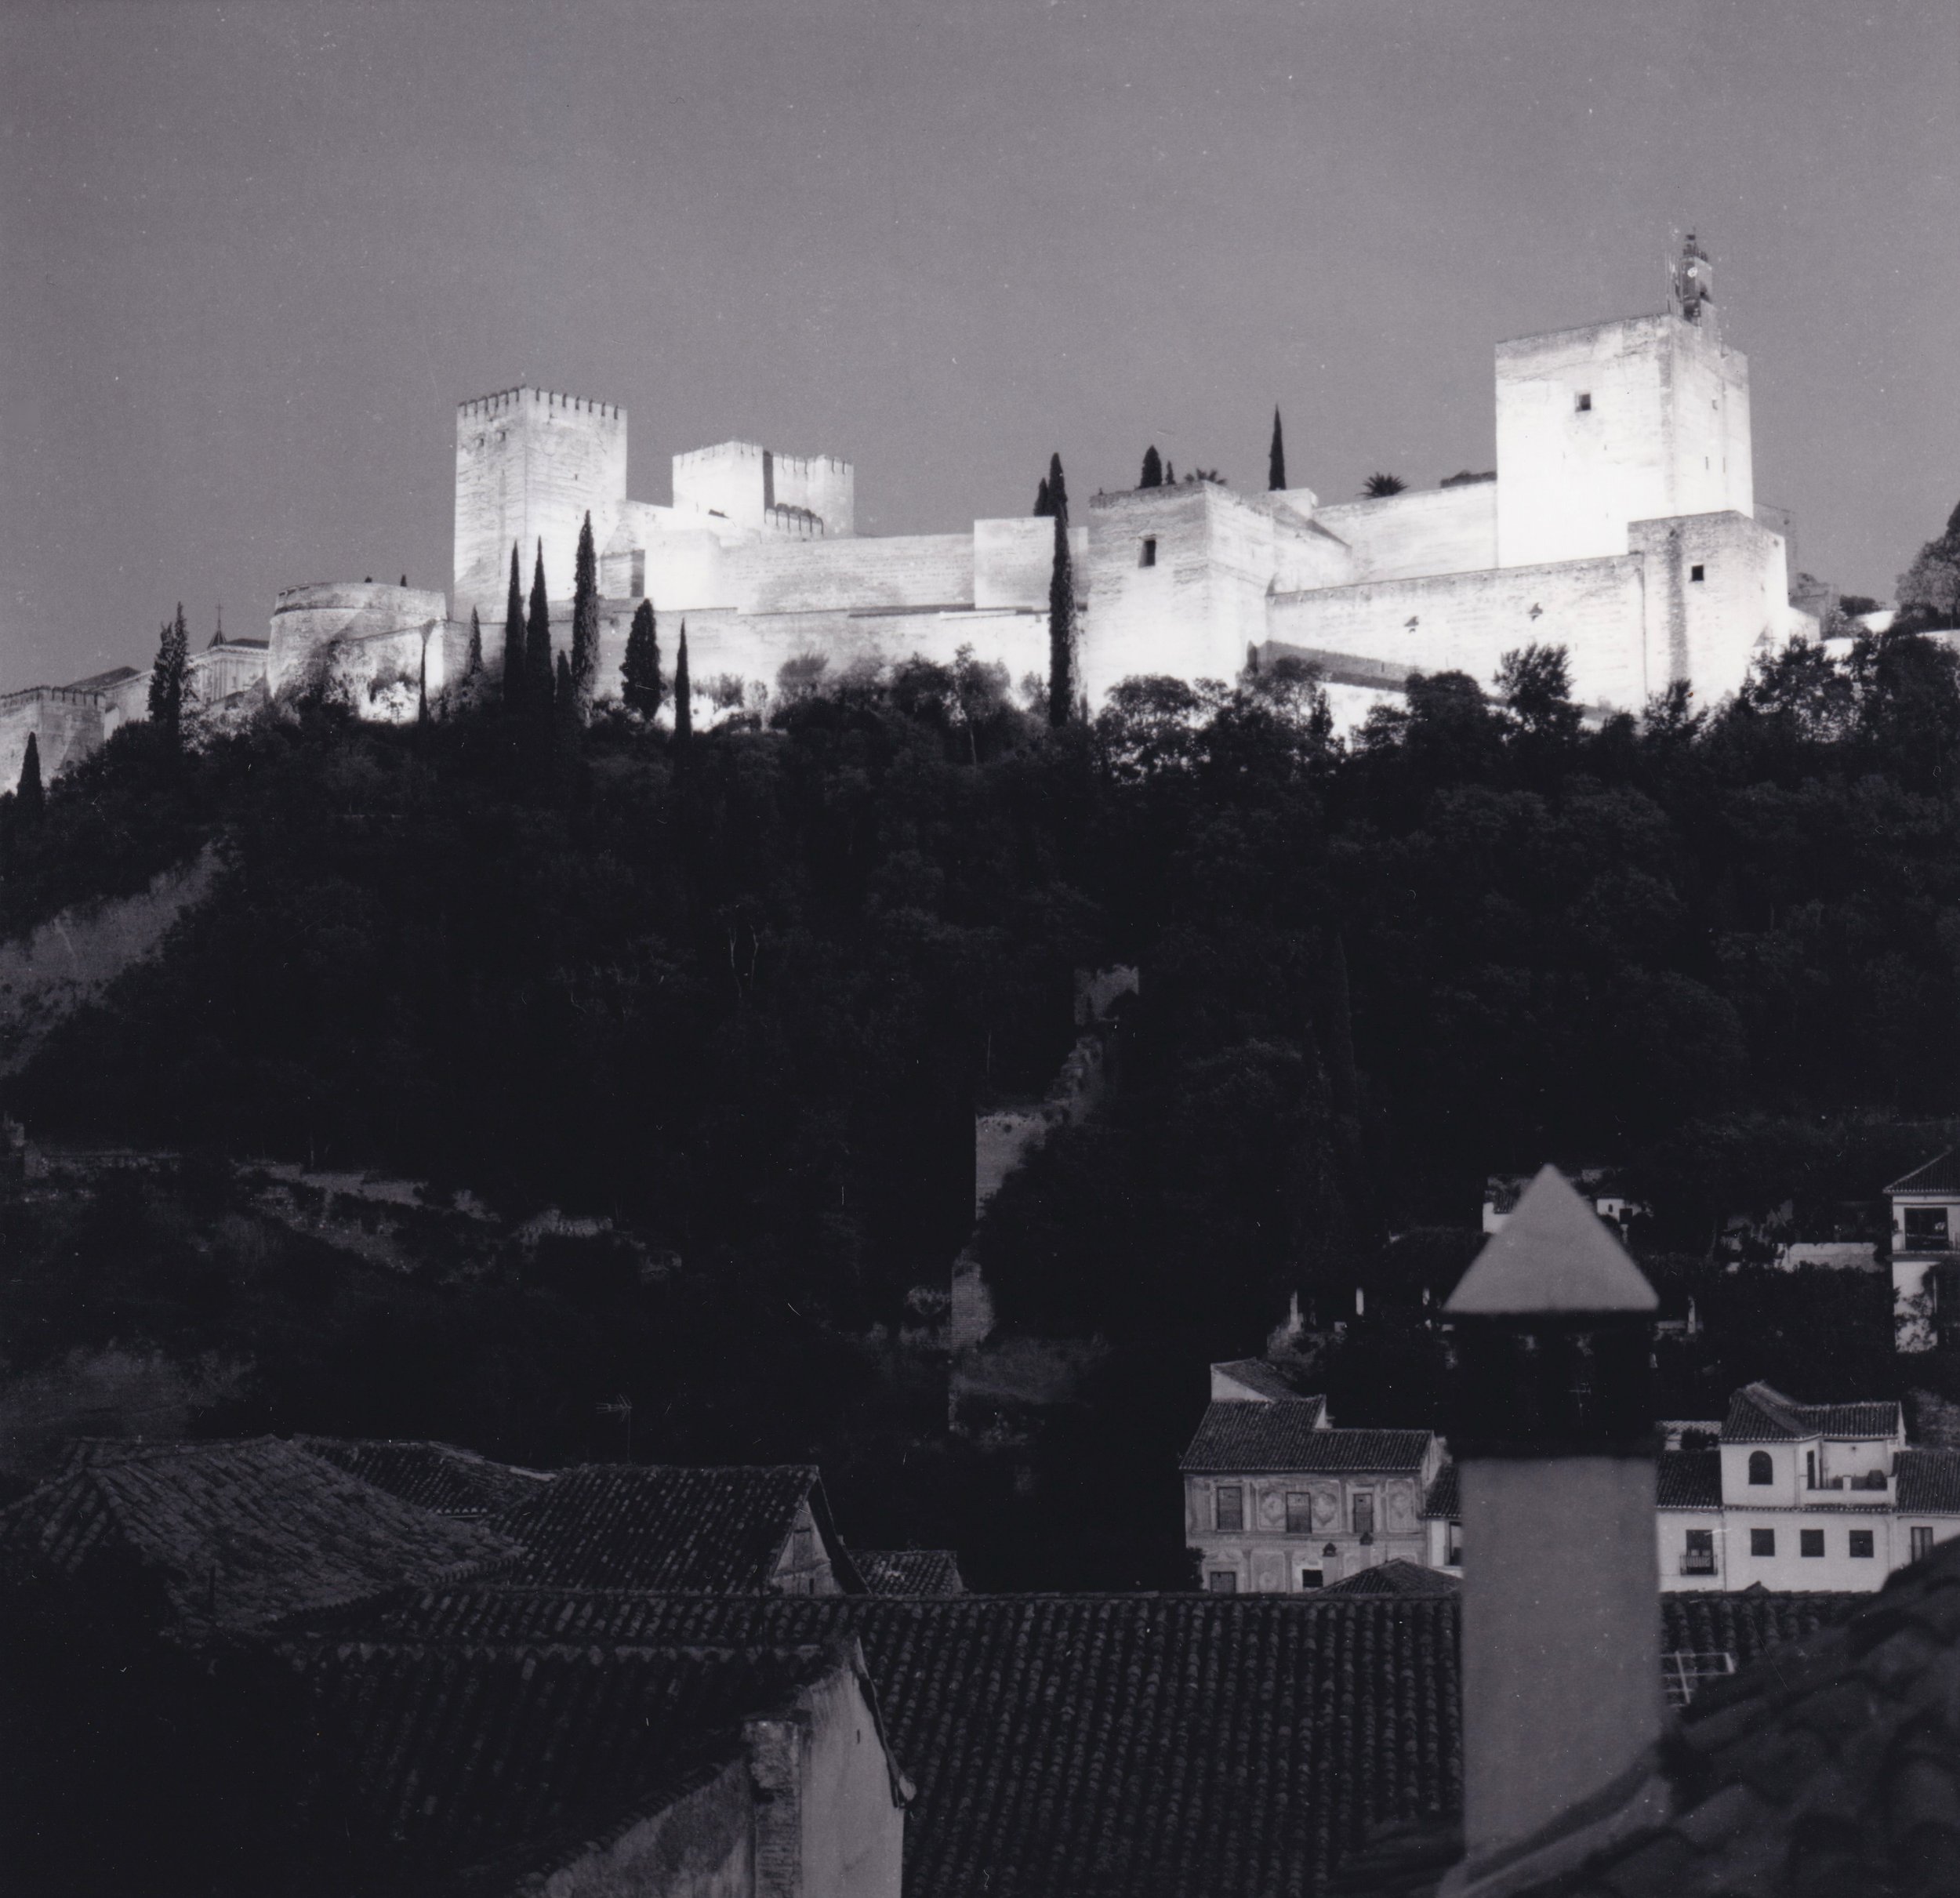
{"points": [[1554, 1443]]}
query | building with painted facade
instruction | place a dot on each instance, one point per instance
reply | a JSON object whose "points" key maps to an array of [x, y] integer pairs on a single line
{"points": [[1925, 1209], [1277, 1501]]}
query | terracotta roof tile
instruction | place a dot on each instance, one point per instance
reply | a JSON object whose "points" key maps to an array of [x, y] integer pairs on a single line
{"points": [[239, 1534], [1395, 1577], [910, 1571], [1444, 1501], [1688, 1479], [1929, 1481], [1232, 1437], [1759, 1415], [438, 1476], [1940, 1174], [1280, 1383], [662, 1526]]}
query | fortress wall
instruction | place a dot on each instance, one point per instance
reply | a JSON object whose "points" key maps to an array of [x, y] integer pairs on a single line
{"points": [[725, 480], [1466, 622], [1711, 630], [909, 570], [825, 485], [1013, 559], [67, 726], [755, 647], [309, 618], [529, 464], [1427, 531], [679, 567]]}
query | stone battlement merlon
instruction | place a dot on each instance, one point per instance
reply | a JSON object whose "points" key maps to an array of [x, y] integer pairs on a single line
{"points": [[506, 399]]}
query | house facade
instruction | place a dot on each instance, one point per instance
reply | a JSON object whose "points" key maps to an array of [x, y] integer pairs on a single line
{"points": [[1803, 1496], [1278, 1501], [1925, 1207]]}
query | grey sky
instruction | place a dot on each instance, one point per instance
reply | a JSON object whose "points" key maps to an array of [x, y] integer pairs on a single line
{"points": [[251, 255]]}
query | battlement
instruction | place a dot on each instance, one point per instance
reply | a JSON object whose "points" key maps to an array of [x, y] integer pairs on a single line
{"points": [[477, 407], [756, 488]]}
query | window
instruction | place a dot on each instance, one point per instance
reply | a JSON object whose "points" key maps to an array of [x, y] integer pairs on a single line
{"points": [[1583, 401], [1229, 1506], [1697, 572], [1809, 1469], [1926, 1228], [639, 576], [1921, 1542], [1299, 1512], [1698, 1554], [1364, 1513], [1763, 1542], [1222, 1581], [1149, 553], [1453, 1547], [1810, 1542], [1861, 1542], [1309, 1578], [1761, 1468]]}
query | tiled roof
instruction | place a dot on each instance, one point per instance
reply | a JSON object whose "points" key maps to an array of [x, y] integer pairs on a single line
{"points": [[1688, 1480], [438, 1476], [238, 1534], [1281, 1437], [910, 1571], [714, 1531], [1283, 1382], [442, 1757], [1183, 1746], [1395, 1577], [1444, 1501], [1759, 1415], [1940, 1174], [1928, 1481]]}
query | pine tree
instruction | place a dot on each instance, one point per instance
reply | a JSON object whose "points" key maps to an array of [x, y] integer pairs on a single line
{"points": [[169, 678], [28, 799], [584, 621], [1043, 501], [568, 722], [1170, 476], [538, 681], [683, 689], [1276, 457], [1153, 476], [514, 638], [1062, 607], [476, 646], [640, 673]]}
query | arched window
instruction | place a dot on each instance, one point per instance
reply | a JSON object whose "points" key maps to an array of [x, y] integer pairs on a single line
{"points": [[1761, 1469]]}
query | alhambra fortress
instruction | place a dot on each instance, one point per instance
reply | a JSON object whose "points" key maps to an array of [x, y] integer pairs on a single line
{"points": [[1621, 523]]}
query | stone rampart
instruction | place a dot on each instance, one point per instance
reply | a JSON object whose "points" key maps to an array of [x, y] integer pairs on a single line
{"points": [[308, 620], [775, 576], [66, 725], [1467, 621], [1424, 531]]}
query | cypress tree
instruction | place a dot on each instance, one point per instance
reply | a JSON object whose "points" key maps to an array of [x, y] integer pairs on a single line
{"points": [[1043, 501], [568, 721], [169, 678], [475, 645], [1062, 607], [1153, 475], [640, 673], [683, 689], [28, 799], [1276, 456], [1170, 476], [584, 621], [538, 685], [514, 638]]}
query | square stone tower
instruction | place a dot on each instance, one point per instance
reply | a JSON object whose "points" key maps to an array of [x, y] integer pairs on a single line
{"points": [[530, 464], [1644, 418]]}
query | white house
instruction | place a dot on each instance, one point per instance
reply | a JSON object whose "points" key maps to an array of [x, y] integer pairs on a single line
{"points": [[1926, 1217], [1803, 1496]]}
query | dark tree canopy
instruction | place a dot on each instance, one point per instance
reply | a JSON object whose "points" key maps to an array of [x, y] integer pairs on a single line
{"points": [[1043, 501], [1153, 475], [1379, 487], [683, 689], [170, 677], [585, 620], [1276, 457], [1062, 683], [514, 638], [539, 681], [29, 798], [473, 667]]}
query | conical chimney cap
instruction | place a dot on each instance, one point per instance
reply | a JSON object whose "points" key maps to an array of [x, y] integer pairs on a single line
{"points": [[1553, 1256]]}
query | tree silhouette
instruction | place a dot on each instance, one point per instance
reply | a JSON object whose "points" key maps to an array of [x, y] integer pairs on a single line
{"points": [[1379, 487], [683, 689], [170, 678], [1043, 501], [1061, 606], [514, 638], [1276, 457], [1153, 475], [640, 671], [28, 798], [584, 621], [475, 665], [538, 678]]}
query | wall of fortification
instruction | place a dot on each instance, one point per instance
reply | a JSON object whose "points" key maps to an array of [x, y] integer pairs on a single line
{"points": [[821, 484], [758, 489], [1466, 622], [309, 619], [1710, 630], [1424, 531], [67, 726], [910, 571], [1633, 420], [1013, 560], [530, 463]]}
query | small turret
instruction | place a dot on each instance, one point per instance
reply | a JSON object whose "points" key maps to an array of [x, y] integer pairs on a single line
{"points": [[1692, 296]]}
